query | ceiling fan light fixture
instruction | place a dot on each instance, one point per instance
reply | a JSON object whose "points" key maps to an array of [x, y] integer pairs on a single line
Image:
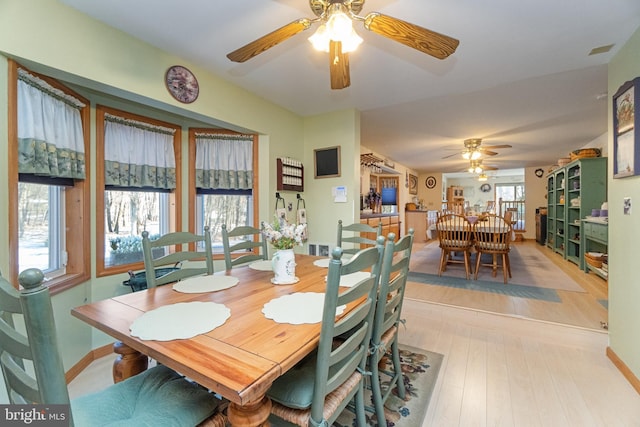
{"points": [[352, 42], [339, 25], [475, 166], [320, 39], [338, 28], [482, 177], [471, 154]]}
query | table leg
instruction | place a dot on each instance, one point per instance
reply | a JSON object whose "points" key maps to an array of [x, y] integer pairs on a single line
{"points": [[252, 415], [130, 362]]}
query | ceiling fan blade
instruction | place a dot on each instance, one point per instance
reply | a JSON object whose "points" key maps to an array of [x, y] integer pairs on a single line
{"points": [[338, 66], [487, 152], [451, 155], [427, 41], [258, 46], [489, 168], [493, 147]]}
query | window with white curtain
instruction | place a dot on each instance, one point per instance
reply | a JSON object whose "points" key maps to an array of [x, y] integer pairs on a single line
{"points": [[138, 185], [51, 158], [224, 182], [139, 173]]}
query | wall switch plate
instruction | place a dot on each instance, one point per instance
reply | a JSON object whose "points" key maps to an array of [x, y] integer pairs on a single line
{"points": [[627, 206]]}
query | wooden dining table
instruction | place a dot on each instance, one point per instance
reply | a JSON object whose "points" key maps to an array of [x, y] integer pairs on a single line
{"points": [[238, 360]]}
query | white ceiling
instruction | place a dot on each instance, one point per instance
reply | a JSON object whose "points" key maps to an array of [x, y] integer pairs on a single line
{"points": [[522, 74]]}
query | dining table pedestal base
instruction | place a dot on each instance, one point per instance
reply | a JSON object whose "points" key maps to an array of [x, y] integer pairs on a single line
{"points": [[250, 415], [129, 362]]}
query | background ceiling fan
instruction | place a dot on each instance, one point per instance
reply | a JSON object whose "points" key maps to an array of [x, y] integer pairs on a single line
{"points": [[477, 167], [336, 35], [473, 149]]}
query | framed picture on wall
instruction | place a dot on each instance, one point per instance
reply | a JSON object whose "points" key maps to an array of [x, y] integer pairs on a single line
{"points": [[326, 162], [625, 140], [413, 184]]}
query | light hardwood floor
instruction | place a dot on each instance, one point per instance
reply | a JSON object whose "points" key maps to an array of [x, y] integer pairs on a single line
{"points": [[501, 370], [506, 362], [577, 308]]}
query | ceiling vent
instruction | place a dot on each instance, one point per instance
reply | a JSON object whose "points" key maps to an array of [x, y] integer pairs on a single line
{"points": [[601, 49]]}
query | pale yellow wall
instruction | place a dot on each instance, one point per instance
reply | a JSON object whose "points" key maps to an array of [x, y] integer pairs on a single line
{"points": [[535, 191], [341, 129], [432, 197], [624, 230], [67, 45]]}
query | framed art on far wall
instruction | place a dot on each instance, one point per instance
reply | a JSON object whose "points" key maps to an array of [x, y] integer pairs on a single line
{"points": [[626, 153], [413, 184]]}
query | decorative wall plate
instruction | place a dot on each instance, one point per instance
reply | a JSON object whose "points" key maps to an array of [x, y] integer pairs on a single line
{"points": [[539, 172], [430, 182], [485, 188], [182, 84]]}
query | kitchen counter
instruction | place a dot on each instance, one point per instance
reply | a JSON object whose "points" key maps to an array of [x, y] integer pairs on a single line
{"points": [[419, 220], [390, 222], [377, 215]]}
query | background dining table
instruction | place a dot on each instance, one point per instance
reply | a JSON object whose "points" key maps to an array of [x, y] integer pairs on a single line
{"points": [[432, 233], [239, 359]]}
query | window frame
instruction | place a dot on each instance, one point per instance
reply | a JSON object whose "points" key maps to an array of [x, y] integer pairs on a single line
{"points": [[77, 206], [514, 185], [192, 179], [175, 196]]}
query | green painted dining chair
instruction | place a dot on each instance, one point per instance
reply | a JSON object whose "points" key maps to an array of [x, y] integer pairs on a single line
{"points": [[166, 255], [34, 374], [249, 245], [384, 337], [357, 234], [316, 390]]}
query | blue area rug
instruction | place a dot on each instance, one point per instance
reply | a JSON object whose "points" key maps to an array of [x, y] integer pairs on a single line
{"points": [[530, 266], [513, 290], [604, 303]]}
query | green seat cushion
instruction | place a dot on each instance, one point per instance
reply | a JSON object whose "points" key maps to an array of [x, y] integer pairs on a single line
{"points": [[294, 389], [155, 398]]}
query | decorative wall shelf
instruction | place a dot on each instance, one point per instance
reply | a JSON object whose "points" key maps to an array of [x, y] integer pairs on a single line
{"points": [[290, 175]]}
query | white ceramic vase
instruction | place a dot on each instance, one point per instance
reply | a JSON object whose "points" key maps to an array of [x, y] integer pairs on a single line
{"points": [[284, 267]]}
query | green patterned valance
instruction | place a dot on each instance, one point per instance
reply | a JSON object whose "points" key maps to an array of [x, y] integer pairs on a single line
{"points": [[138, 154], [224, 162], [50, 135], [131, 175], [42, 158]]}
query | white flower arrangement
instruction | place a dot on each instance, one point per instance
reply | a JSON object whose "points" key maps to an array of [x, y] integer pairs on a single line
{"points": [[283, 235]]}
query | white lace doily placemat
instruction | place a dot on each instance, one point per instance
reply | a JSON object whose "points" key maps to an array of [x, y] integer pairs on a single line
{"points": [[297, 308], [209, 283], [348, 280], [264, 265], [180, 321], [324, 262]]}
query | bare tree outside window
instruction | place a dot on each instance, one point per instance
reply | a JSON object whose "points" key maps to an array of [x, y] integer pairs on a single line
{"points": [[215, 210], [37, 225], [127, 215]]}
